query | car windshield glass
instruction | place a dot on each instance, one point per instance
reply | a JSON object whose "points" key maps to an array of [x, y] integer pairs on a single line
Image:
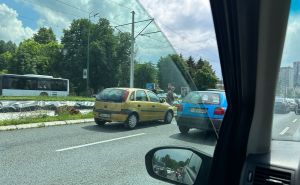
{"points": [[108, 80], [114, 95], [286, 119]]}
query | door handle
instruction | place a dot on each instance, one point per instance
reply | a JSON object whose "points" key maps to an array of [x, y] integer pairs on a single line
{"points": [[153, 105], [139, 105]]}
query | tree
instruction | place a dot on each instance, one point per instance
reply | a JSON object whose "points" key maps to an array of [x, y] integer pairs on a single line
{"points": [[173, 69], [26, 58], [74, 51], [144, 73], [44, 36], [7, 46], [191, 65], [123, 58], [205, 77], [5, 59]]}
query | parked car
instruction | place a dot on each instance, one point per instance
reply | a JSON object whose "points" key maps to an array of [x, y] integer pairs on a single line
{"points": [[130, 105], [281, 105], [292, 104], [202, 110]]}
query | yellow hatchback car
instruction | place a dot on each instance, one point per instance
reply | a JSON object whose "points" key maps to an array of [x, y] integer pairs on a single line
{"points": [[131, 106]]}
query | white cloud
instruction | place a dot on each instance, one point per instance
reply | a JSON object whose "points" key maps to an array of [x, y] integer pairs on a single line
{"points": [[10, 27], [188, 24]]}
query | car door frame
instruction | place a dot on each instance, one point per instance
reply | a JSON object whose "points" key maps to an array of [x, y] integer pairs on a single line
{"points": [[158, 109], [143, 107]]}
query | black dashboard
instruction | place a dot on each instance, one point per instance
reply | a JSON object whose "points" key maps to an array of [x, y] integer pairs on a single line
{"points": [[280, 166]]}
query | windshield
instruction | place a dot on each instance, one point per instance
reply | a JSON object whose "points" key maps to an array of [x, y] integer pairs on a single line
{"points": [[286, 118], [106, 81]]}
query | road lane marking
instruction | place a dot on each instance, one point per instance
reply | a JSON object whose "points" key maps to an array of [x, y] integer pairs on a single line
{"points": [[99, 142], [294, 120], [284, 130]]}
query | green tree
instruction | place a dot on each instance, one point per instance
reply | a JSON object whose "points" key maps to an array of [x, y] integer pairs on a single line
{"points": [[26, 58], [123, 58], [103, 59], [205, 77], [173, 69], [44, 36], [191, 65], [5, 59], [7, 46], [74, 52], [145, 73]]}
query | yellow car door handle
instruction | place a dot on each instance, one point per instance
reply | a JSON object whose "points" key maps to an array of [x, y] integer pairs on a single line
{"points": [[139, 105], [153, 105]]}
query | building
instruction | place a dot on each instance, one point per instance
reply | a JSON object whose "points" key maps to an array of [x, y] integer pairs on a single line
{"points": [[286, 77], [296, 66]]}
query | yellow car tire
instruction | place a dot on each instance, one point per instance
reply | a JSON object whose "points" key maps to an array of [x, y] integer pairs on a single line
{"points": [[132, 121], [168, 117], [99, 122]]}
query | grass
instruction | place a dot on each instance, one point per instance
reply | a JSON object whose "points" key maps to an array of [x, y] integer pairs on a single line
{"points": [[45, 118], [47, 98]]}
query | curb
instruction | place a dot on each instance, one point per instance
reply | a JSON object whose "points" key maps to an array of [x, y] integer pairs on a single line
{"points": [[44, 124]]}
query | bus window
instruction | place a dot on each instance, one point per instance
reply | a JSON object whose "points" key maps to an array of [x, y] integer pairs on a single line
{"points": [[0, 85], [44, 84], [30, 84]]}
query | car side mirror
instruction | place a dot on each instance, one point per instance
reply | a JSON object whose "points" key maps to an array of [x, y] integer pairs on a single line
{"points": [[178, 165], [162, 100]]}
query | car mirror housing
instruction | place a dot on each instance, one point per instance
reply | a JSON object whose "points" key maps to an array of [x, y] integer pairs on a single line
{"points": [[162, 100], [178, 165]]}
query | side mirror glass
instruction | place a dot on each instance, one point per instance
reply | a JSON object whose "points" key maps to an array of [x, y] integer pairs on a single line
{"points": [[177, 165]]}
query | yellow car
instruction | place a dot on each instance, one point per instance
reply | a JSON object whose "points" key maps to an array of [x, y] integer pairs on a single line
{"points": [[131, 106]]}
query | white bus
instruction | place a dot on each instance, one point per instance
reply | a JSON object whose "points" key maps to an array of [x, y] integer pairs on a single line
{"points": [[33, 85]]}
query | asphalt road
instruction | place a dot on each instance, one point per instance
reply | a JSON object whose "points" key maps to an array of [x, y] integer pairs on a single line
{"points": [[102, 155], [89, 154]]}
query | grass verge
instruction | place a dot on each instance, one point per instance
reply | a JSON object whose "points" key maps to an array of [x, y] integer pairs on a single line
{"points": [[47, 98], [45, 118]]}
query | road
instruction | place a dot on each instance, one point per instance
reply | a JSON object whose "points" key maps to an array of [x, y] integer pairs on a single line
{"points": [[89, 154], [286, 126], [102, 155]]}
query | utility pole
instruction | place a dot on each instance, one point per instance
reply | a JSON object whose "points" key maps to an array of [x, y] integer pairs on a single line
{"points": [[132, 53], [133, 37]]}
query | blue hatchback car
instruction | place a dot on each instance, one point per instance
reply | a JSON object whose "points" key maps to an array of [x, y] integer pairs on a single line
{"points": [[202, 110]]}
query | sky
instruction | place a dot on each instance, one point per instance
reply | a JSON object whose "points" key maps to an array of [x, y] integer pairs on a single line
{"points": [[186, 25]]}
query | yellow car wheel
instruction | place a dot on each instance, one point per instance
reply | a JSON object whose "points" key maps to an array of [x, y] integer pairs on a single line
{"points": [[168, 117], [99, 122], [132, 121]]}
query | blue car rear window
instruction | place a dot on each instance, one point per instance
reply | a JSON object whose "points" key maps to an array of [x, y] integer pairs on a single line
{"points": [[202, 97]]}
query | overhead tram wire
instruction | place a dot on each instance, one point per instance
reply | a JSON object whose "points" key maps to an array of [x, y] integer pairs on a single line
{"points": [[84, 11]]}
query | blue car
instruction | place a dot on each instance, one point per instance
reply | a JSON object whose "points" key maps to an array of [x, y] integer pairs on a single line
{"points": [[202, 110]]}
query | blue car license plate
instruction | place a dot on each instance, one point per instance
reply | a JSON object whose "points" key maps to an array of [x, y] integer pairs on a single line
{"points": [[198, 110]]}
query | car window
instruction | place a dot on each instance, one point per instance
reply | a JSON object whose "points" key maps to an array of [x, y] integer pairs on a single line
{"points": [[203, 97], [141, 96], [131, 98], [114, 95], [153, 97], [286, 119]]}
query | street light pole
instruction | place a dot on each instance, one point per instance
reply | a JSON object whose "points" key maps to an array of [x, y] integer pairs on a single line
{"points": [[132, 53], [88, 54]]}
